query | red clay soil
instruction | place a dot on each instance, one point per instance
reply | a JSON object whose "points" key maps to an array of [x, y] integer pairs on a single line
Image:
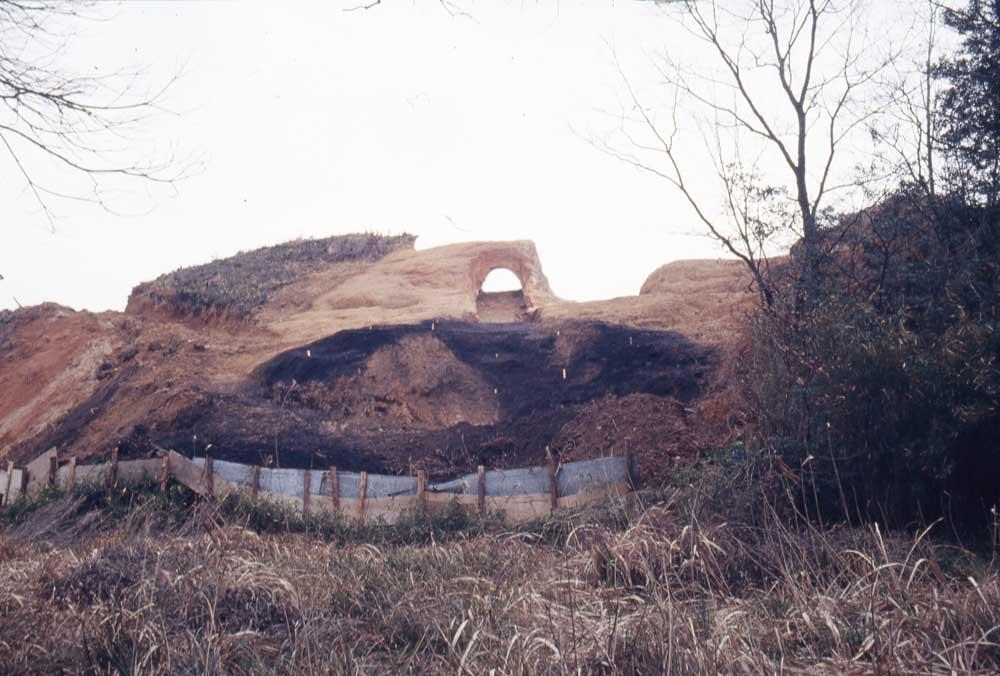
{"points": [[368, 354], [50, 358]]}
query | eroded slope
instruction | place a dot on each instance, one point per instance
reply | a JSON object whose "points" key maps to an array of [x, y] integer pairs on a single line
{"points": [[363, 352]]}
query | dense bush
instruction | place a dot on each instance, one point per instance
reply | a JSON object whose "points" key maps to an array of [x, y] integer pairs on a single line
{"points": [[885, 389], [879, 383]]}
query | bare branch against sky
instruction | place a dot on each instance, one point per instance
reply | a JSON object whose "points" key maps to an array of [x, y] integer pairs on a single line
{"points": [[68, 132], [775, 91], [409, 117]]}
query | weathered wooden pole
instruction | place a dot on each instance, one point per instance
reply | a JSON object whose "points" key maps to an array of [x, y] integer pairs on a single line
{"points": [[209, 474], [362, 491], [71, 477], [164, 473], [305, 491], [481, 472], [632, 474], [631, 467], [334, 489], [255, 482], [553, 481], [113, 470], [53, 469], [422, 488]]}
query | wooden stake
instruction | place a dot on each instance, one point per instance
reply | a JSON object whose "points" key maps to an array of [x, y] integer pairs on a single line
{"points": [[209, 474], [553, 481], [71, 478], [164, 473], [334, 489], [632, 470], [633, 480], [53, 468], [481, 471], [255, 482], [421, 488], [361, 496], [7, 484], [113, 470], [305, 491]]}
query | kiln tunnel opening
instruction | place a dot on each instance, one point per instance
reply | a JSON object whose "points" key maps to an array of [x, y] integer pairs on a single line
{"points": [[501, 298]]}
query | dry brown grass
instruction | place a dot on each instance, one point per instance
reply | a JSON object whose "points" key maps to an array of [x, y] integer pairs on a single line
{"points": [[659, 592], [240, 285]]}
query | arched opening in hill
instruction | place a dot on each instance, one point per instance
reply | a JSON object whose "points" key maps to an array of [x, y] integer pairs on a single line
{"points": [[501, 298]]}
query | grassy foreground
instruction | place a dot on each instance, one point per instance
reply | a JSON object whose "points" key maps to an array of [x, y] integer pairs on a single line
{"points": [[160, 584]]}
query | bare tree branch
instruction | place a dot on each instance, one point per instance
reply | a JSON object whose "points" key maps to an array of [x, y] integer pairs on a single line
{"points": [[790, 76], [58, 126]]}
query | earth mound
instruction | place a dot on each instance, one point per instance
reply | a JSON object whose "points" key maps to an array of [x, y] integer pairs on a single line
{"points": [[363, 352]]}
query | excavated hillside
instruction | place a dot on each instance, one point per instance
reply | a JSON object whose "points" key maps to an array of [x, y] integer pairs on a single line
{"points": [[362, 352]]}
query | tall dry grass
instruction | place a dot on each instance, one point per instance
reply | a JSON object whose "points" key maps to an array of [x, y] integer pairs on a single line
{"points": [[661, 591]]}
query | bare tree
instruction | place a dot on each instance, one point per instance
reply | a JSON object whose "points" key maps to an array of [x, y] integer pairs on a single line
{"points": [[909, 128], [69, 135], [778, 88]]}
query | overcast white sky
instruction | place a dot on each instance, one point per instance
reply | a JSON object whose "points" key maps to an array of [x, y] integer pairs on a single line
{"points": [[312, 121]]}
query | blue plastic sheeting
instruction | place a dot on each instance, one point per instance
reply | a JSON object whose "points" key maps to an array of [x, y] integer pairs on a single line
{"points": [[571, 478]]}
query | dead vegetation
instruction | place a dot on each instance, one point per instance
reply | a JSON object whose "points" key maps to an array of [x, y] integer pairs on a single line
{"points": [[674, 587], [238, 286]]}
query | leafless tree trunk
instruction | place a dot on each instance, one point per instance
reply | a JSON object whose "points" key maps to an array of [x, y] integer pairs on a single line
{"points": [[786, 77]]}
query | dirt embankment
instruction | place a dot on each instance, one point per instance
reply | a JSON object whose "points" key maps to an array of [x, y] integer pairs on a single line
{"points": [[51, 357], [368, 354]]}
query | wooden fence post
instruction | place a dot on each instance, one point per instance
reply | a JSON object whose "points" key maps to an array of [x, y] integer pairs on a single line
{"points": [[334, 488], [255, 482], [632, 470], [7, 484], [113, 470], [362, 490], [53, 468], [305, 491], [481, 471], [164, 473], [633, 481], [71, 478], [553, 481], [209, 474], [422, 488]]}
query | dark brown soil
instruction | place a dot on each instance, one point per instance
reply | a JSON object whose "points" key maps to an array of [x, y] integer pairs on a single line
{"points": [[448, 396]]}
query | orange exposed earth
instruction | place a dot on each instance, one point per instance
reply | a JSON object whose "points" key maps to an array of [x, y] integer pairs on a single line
{"points": [[362, 352]]}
